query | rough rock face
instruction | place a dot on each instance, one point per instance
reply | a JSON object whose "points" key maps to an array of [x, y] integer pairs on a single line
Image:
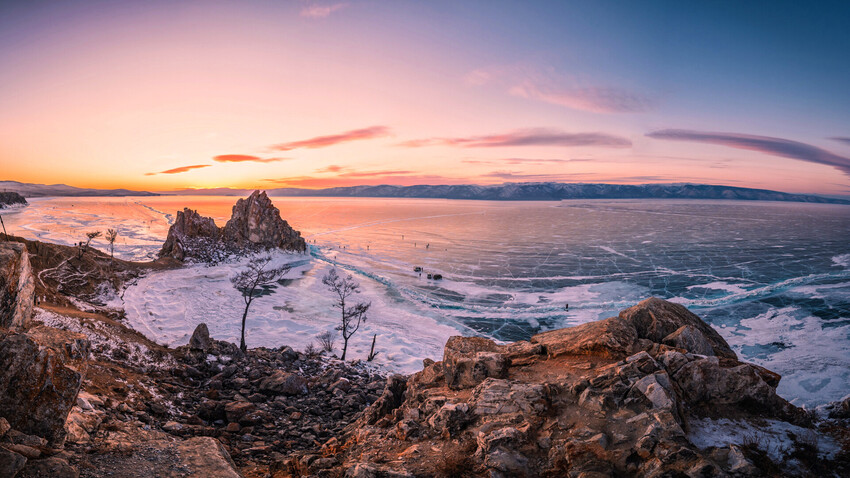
{"points": [[37, 388], [610, 398], [254, 225], [256, 222], [189, 230], [10, 199], [17, 286]]}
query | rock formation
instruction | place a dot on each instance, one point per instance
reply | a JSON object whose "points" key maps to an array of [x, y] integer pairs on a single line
{"points": [[615, 397], [11, 199], [16, 286], [255, 224], [37, 387]]}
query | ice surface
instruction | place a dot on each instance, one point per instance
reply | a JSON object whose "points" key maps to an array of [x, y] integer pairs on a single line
{"points": [[773, 436], [167, 306]]}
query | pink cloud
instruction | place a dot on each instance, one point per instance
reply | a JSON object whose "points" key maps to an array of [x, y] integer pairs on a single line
{"points": [[330, 140], [181, 169], [240, 158], [547, 85], [526, 137], [321, 11], [785, 148]]}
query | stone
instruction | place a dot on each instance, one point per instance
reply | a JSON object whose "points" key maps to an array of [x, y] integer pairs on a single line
{"points": [[200, 339], [235, 411], [655, 319], [4, 427], [284, 383], [656, 388], [390, 399], [450, 418], [53, 467], [36, 387], [612, 337], [17, 286], [467, 361], [691, 339], [10, 463]]}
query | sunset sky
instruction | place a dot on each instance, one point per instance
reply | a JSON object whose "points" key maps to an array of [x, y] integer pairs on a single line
{"points": [[167, 95]]}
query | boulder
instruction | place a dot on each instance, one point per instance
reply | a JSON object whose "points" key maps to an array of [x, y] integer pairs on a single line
{"points": [[200, 339], [284, 383], [53, 467], [467, 361], [256, 222], [37, 388], [10, 463], [691, 339], [613, 337], [17, 286], [656, 319]]}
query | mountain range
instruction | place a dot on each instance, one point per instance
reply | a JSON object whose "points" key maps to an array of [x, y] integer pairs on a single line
{"points": [[546, 191]]}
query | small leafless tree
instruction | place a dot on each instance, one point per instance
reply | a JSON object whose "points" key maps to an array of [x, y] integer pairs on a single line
{"points": [[5, 235], [351, 316], [311, 350], [327, 340], [372, 353], [256, 276], [111, 235], [85, 246]]}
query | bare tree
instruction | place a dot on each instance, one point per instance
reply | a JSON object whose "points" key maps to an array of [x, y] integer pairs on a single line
{"points": [[256, 276], [111, 235], [327, 340], [85, 246], [4, 228], [372, 353], [352, 316]]}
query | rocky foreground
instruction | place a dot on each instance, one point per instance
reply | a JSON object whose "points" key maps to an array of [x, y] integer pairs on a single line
{"points": [[641, 394]]}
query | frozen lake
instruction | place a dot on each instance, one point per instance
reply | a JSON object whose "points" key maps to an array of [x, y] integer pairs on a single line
{"points": [[773, 278]]}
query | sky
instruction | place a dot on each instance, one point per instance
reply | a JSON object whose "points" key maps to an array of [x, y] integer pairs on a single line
{"points": [[165, 95]]}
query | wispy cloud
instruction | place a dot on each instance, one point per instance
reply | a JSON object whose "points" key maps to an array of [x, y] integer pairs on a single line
{"points": [[528, 161], [181, 169], [321, 11], [241, 158], [842, 139], [526, 137], [330, 140], [365, 178], [596, 99], [785, 148], [545, 84]]}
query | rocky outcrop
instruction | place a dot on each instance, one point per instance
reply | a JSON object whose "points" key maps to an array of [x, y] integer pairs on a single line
{"points": [[37, 387], [256, 222], [615, 397], [190, 232], [254, 225], [11, 199], [17, 286]]}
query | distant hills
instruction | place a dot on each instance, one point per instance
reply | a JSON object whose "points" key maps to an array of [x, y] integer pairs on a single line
{"points": [[501, 192], [42, 190], [541, 192]]}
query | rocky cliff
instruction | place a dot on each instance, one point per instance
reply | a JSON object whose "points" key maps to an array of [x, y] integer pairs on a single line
{"points": [[254, 225], [11, 199], [16, 286]]}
